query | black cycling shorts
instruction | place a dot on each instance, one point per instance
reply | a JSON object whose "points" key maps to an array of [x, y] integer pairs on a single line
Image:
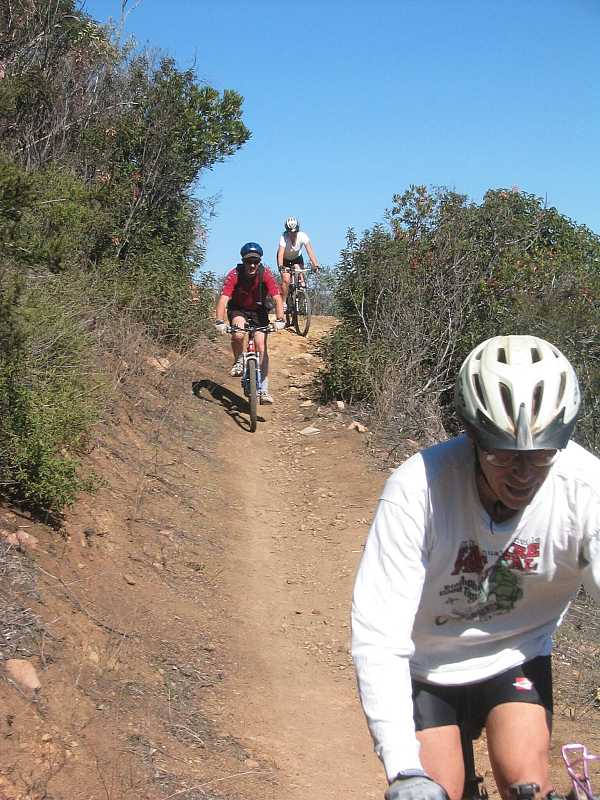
{"points": [[469, 705], [259, 317], [293, 262]]}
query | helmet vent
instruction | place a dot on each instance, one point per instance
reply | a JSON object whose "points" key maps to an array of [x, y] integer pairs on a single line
{"points": [[538, 394], [507, 401], [479, 391], [561, 389], [535, 355], [501, 356]]}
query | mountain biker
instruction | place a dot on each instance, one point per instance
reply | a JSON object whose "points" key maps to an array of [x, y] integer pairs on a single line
{"points": [[289, 252], [477, 546], [244, 300]]}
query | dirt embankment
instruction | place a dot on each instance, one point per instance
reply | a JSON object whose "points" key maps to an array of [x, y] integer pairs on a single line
{"points": [[189, 622]]}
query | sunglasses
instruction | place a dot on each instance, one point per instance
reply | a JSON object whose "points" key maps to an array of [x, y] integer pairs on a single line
{"points": [[252, 261], [508, 458]]}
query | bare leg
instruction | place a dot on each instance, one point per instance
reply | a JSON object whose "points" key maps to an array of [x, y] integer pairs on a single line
{"points": [[441, 756], [285, 285], [263, 355], [237, 339], [518, 736]]}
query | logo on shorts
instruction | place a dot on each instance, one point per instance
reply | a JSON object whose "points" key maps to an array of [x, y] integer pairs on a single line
{"points": [[523, 684]]}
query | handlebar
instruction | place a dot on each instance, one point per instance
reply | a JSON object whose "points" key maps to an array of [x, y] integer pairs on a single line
{"points": [[270, 328], [297, 270]]}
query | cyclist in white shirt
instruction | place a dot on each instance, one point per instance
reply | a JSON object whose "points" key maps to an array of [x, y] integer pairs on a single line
{"points": [[477, 546], [289, 252]]}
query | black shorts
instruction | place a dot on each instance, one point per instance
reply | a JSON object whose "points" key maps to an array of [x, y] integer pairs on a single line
{"points": [[259, 317], [293, 262], [468, 705]]}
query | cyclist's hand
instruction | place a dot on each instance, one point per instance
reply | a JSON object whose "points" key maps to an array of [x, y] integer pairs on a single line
{"points": [[415, 788], [316, 268], [221, 327], [279, 325]]}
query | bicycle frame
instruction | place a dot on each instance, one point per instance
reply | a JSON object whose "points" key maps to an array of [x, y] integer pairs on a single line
{"points": [[577, 760], [298, 312], [474, 787], [250, 352]]}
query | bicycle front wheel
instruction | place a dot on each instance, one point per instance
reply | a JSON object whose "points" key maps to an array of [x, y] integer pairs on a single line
{"points": [[303, 313], [289, 314], [252, 393]]}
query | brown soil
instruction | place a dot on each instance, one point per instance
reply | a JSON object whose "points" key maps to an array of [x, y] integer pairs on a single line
{"points": [[193, 637]]}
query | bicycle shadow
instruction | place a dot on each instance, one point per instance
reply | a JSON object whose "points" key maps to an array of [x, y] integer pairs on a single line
{"points": [[234, 405]]}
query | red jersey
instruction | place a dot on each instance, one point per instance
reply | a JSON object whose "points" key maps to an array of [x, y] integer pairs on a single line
{"points": [[245, 293]]}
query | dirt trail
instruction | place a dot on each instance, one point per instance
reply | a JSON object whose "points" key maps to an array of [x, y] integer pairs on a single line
{"points": [[298, 517]]}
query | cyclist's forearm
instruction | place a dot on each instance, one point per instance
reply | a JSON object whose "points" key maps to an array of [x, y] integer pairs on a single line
{"points": [[280, 255], [278, 300], [312, 256], [221, 306]]}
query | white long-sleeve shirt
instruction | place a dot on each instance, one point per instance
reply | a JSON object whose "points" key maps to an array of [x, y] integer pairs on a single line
{"points": [[448, 596]]}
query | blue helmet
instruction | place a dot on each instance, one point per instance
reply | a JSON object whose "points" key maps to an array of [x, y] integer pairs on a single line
{"points": [[251, 249]]}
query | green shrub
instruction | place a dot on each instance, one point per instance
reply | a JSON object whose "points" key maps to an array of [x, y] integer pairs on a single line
{"points": [[417, 294], [48, 399]]}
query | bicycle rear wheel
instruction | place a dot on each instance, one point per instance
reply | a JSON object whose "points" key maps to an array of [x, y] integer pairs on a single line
{"points": [[252, 394], [303, 312]]}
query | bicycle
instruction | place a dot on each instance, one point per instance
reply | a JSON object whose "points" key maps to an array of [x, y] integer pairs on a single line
{"points": [[251, 374], [298, 311], [576, 759]]}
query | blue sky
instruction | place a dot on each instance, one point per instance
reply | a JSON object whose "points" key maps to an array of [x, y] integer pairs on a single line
{"points": [[351, 102]]}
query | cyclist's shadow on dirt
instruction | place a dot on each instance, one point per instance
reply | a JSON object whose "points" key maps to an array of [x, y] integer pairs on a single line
{"points": [[233, 404]]}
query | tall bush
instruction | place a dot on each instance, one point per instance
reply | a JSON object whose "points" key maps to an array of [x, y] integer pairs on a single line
{"points": [[100, 151], [417, 293]]}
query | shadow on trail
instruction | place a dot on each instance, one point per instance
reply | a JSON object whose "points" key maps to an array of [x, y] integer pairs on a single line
{"points": [[233, 404]]}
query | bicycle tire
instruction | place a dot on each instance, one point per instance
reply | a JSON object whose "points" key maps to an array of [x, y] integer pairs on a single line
{"points": [[252, 394], [291, 303], [303, 312]]}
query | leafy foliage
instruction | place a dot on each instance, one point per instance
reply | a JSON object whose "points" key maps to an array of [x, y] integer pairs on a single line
{"points": [[416, 294], [100, 150]]}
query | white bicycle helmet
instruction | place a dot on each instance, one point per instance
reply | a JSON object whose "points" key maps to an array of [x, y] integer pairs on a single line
{"points": [[292, 224], [518, 393]]}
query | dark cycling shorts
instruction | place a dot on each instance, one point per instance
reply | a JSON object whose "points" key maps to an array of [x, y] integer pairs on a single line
{"points": [[468, 705], [293, 262], [259, 317]]}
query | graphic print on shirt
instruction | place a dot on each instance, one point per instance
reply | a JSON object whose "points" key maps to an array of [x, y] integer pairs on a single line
{"points": [[490, 583]]}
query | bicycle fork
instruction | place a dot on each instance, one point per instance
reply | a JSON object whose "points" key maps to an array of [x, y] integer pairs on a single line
{"points": [[250, 355]]}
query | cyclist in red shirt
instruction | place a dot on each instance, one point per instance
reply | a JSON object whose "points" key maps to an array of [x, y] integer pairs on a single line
{"points": [[244, 299]]}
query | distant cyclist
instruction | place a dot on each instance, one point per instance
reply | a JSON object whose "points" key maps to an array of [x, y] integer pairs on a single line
{"points": [[244, 298], [289, 252], [477, 547]]}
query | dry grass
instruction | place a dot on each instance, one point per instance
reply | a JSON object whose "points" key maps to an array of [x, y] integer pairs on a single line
{"points": [[577, 659], [21, 632]]}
